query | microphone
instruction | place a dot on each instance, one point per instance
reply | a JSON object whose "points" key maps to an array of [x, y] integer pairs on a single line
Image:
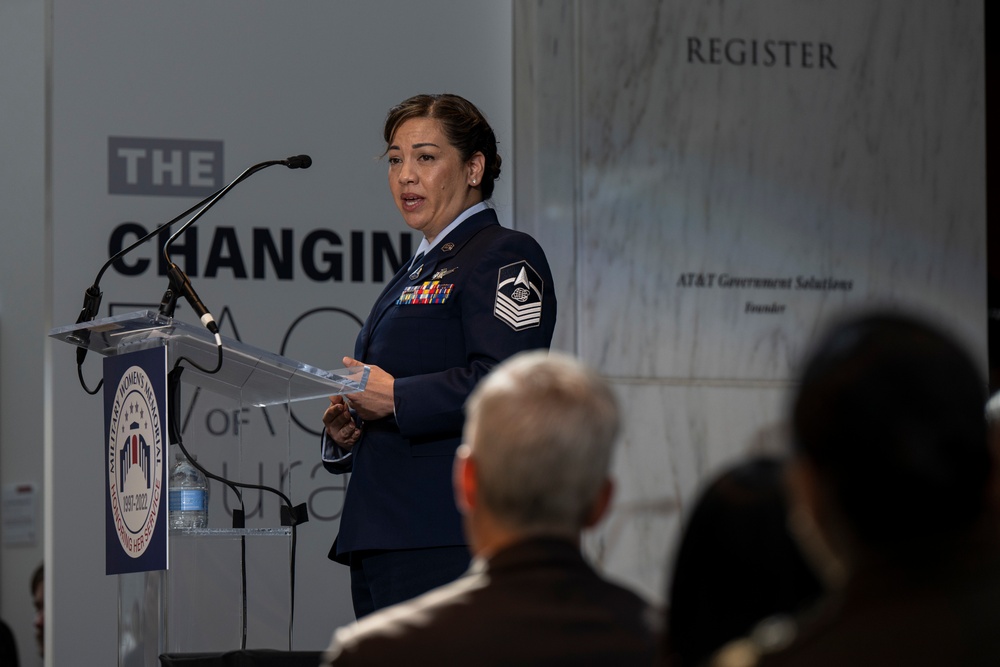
{"points": [[298, 162], [93, 295], [180, 284]]}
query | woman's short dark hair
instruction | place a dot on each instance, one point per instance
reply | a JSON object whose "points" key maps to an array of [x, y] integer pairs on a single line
{"points": [[890, 413], [463, 124]]}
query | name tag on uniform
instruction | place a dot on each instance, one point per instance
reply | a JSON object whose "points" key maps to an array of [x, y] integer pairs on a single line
{"points": [[428, 292]]}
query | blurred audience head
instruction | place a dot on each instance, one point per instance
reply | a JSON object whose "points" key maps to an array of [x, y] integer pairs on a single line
{"points": [[992, 413], [891, 456], [736, 564], [38, 598]]}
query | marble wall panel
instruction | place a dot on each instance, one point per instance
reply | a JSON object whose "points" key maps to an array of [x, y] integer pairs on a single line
{"points": [[546, 176], [834, 150], [830, 152], [674, 438]]}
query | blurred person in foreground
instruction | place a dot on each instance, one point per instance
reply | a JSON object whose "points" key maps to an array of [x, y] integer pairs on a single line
{"points": [[38, 598], [533, 472], [993, 430], [890, 486], [8, 646], [736, 564]]}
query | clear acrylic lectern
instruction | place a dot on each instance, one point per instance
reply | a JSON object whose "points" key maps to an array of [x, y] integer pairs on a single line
{"points": [[237, 422]]}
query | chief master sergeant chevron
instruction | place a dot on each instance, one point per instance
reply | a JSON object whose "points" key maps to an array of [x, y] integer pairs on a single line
{"points": [[474, 294]]}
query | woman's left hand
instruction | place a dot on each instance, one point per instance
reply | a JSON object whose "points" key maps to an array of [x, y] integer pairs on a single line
{"points": [[376, 401]]}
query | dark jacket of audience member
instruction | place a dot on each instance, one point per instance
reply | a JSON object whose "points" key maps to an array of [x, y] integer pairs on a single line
{"points": [[736, 565], [533, 473], [8, 646]]}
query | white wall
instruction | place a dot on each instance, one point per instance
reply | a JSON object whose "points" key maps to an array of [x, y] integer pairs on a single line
{"points": [[25, 295]]}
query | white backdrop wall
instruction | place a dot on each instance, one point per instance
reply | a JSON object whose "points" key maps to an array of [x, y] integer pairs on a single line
{"points": [[24, 307]]}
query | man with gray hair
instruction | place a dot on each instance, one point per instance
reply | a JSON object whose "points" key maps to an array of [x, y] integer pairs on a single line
{"points": [[532, 474]]}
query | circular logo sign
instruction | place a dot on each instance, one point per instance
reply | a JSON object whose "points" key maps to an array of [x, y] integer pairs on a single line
{"points": [[135, 461]]}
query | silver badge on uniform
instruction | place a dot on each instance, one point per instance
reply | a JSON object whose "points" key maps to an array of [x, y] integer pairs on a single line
{"points": [[519, 296], [442, 273]]}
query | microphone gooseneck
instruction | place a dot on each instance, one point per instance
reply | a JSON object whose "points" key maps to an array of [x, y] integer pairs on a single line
{"points": [[180, 285]]}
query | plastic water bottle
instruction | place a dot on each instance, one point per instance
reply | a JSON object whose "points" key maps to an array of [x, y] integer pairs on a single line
{"points": [[188, 498]]}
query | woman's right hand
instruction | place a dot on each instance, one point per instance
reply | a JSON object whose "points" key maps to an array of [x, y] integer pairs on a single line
{"points": [[339, 423]]}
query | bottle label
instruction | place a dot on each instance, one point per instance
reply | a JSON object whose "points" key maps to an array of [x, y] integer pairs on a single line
{"points": [[187, 500]]}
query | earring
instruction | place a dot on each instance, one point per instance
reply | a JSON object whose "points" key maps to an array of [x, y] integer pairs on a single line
{"points": [[473, 181]]}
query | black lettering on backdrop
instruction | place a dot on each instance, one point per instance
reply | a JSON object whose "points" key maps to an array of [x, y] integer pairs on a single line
{"points": [[283, 475], [334, 262], [321, 253], [729, 281], [357, 257], [382, 250], [339, 489], [218, 422], [184, 249], [119, 234], [281, 261], [740, 52], [225, 253]]}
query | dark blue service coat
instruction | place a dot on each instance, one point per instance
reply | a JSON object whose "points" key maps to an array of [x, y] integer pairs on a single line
{"points": [[481, 295]]}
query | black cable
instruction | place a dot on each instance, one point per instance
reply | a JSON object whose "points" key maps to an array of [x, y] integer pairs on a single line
{"points": [[174, 434], [92, 295], [218, 365], [243, 590], [293, 516], [83, 383], [291, 585]]}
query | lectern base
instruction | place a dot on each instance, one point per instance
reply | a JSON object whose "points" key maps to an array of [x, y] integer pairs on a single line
{"points": [[247, 658]]}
